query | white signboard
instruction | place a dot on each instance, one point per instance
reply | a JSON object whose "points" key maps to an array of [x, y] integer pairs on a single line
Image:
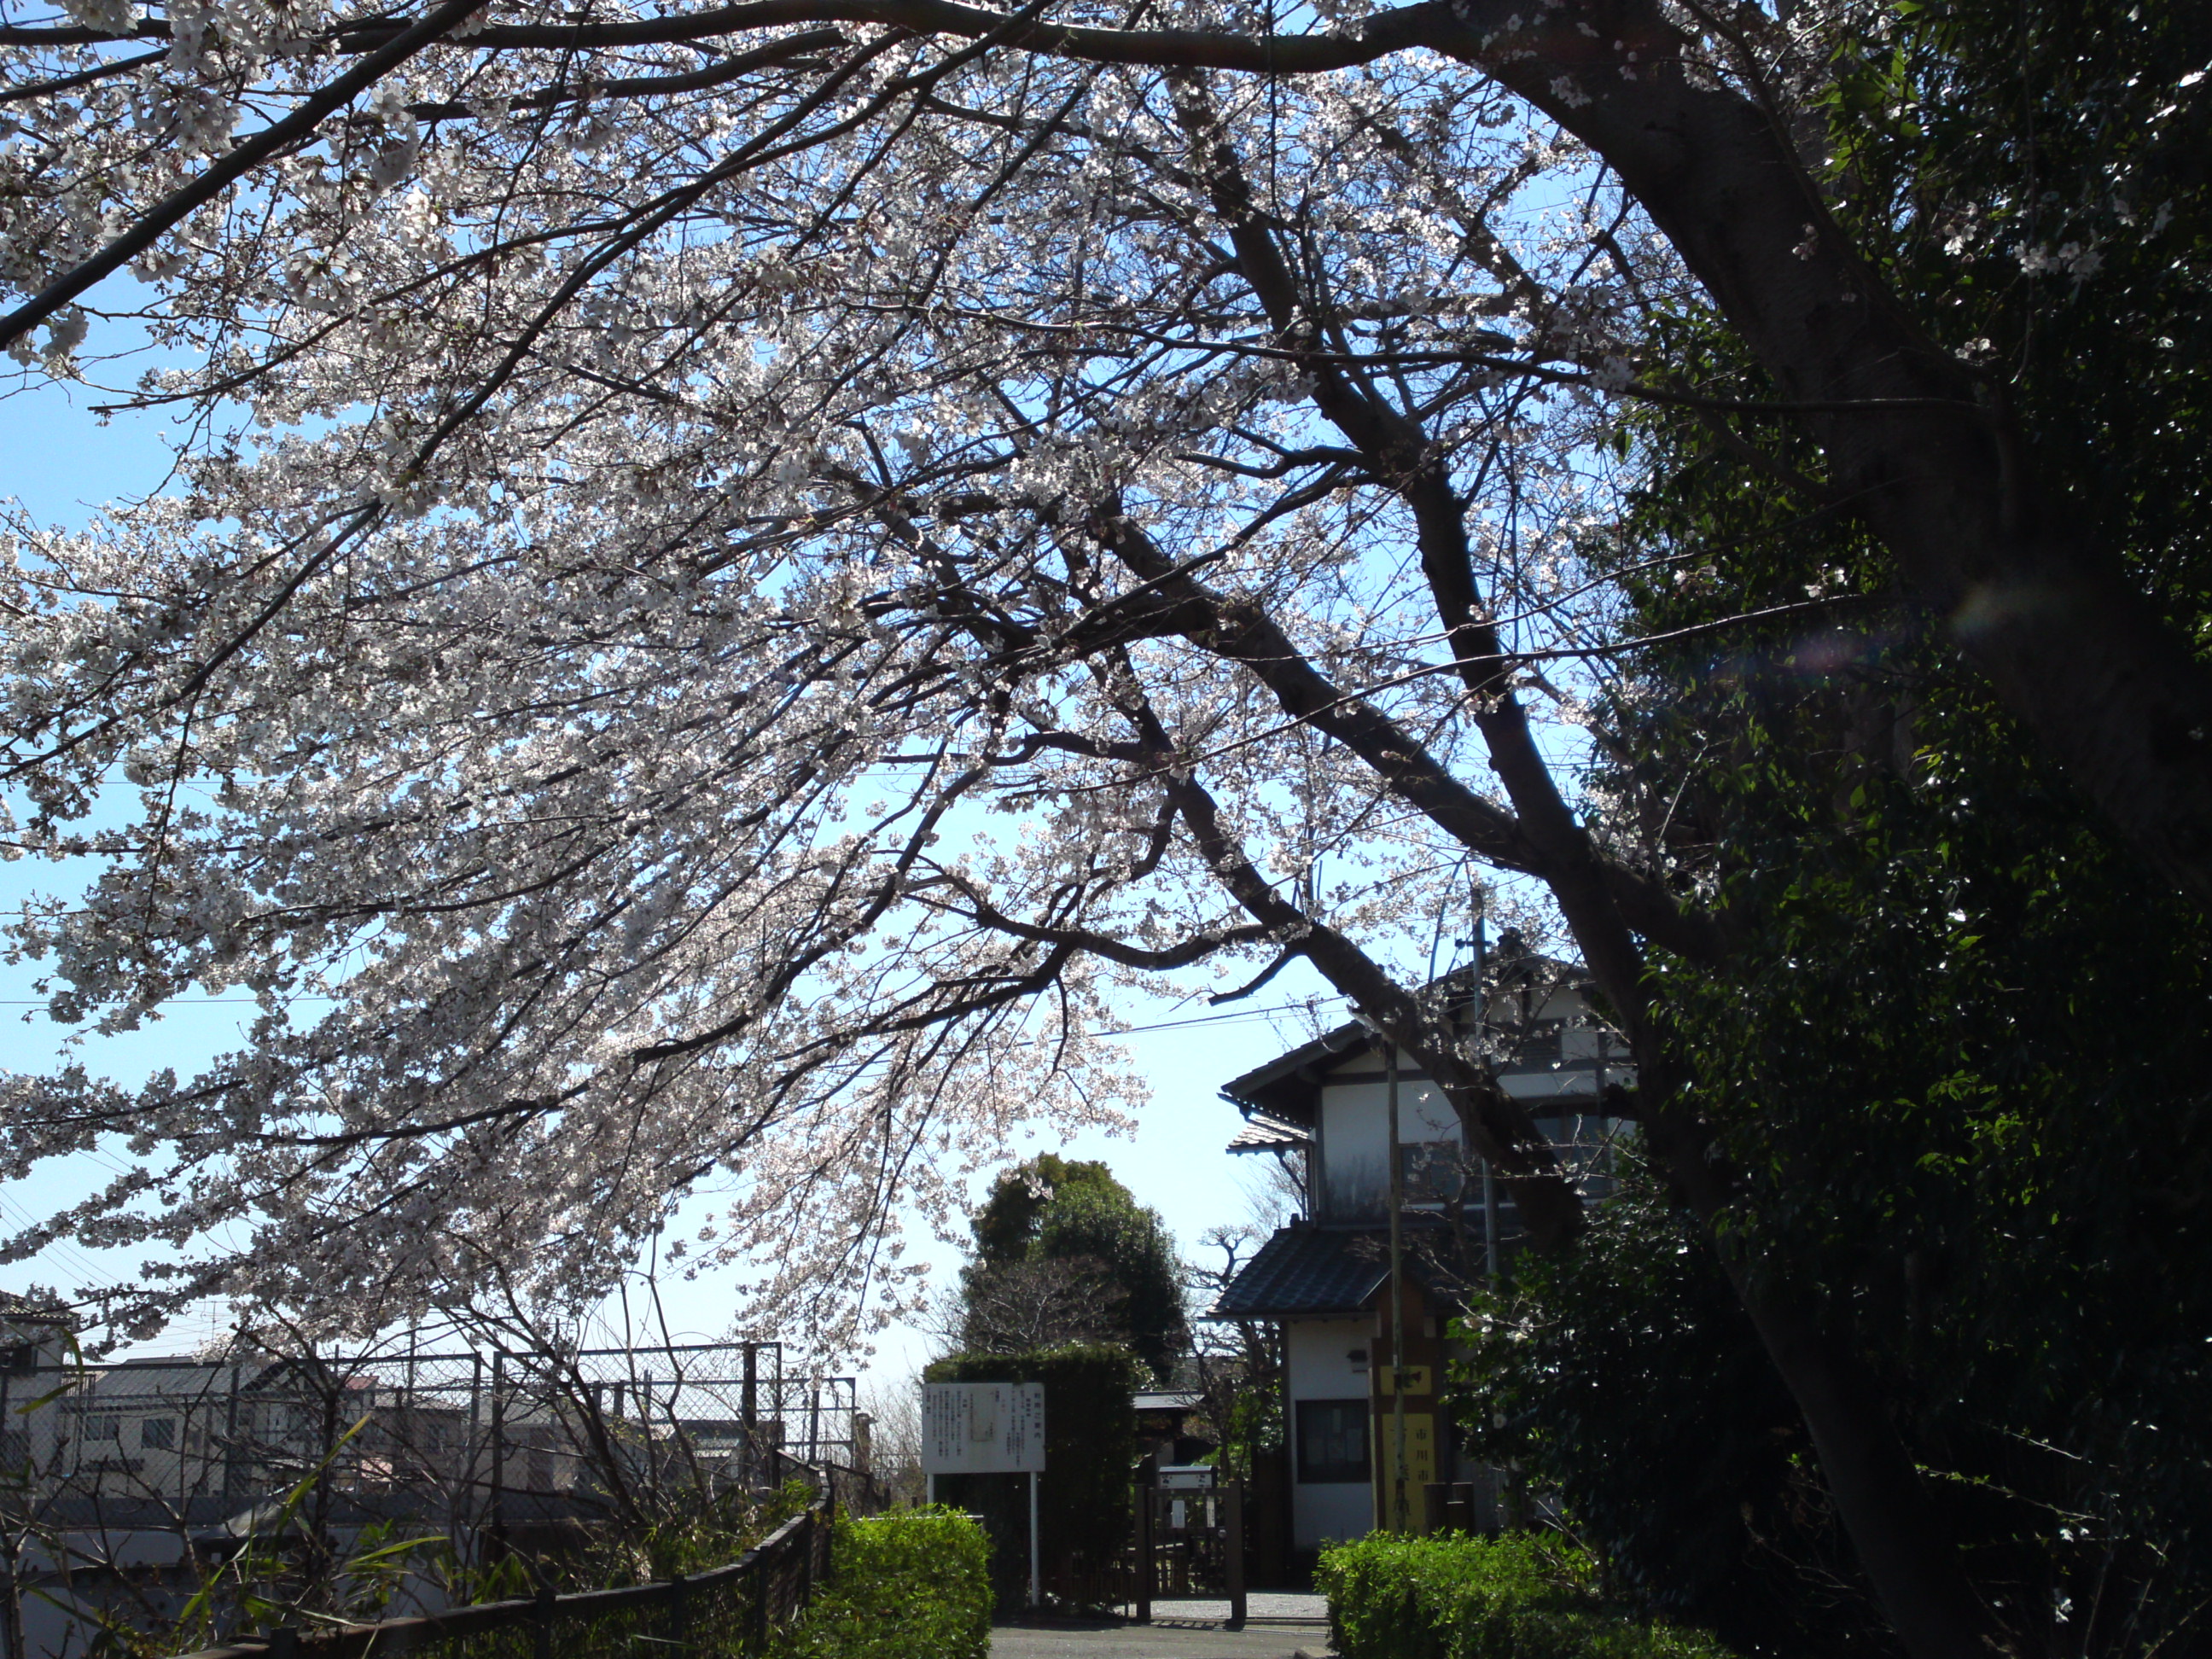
{"points": [[982, 1428]]}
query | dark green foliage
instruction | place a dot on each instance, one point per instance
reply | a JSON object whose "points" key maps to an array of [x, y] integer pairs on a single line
{"points": [[1090, 1450], [1518, 1597], [1089, 1224], [1625, 1378], [1959, 1054], [1006, 1226], [1065, 1252], [1980, 141], [910, 1584]]}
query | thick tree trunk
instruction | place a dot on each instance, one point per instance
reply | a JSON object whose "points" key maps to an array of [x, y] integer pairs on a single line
{"points": [[1895, 1530], [1898, 1537], [1901, 1541], [1907, 1553], [1913, 443]]}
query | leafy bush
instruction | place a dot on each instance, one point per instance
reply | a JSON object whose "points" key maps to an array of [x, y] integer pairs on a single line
{"points": [[911, 1584], [1516, 1597], [1624, 1378]]}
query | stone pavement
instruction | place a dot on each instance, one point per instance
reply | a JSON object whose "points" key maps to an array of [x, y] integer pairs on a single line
{"points": [[1179, 1630]]}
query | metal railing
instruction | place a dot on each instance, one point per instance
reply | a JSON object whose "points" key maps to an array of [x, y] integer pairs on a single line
{"points": [[730, 1610]]}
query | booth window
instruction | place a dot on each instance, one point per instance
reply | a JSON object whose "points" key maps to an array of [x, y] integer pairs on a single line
{"points": [[1332, 1440]]}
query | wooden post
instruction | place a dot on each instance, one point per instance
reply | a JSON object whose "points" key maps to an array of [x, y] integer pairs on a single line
{"points": [[541, 1637], [757, 1616], [1233, 1550]]}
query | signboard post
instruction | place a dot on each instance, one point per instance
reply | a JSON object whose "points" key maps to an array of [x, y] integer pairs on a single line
{"points": [[986, 1428]]}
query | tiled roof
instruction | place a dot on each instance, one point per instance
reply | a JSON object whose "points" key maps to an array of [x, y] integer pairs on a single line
{"points": [[1263, 1133], [1306, 1270], [1165, 1400]]}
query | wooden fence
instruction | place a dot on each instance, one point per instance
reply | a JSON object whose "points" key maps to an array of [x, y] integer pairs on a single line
{"points": [[730, 1610]]}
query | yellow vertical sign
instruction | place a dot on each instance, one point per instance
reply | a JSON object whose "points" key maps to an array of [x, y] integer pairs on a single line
{"points": [[1420, 1466]]}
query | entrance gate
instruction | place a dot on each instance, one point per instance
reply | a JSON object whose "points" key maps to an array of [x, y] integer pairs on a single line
{"points": [[1189, 1541]]}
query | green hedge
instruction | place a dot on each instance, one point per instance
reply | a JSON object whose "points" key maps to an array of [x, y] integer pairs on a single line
{"points": [[1520, 1596], [911, 1584], [1090, 1447]]}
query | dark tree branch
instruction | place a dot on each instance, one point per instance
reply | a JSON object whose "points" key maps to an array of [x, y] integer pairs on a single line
{"points": [[271, 141]]}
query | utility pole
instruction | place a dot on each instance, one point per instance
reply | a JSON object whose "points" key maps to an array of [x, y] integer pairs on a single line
{"points": [[1481, 1030], [1398, 1512]]}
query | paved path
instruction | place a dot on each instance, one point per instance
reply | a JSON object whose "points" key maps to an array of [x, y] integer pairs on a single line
{"points": [[1175, 1634], [1269, 1604]]}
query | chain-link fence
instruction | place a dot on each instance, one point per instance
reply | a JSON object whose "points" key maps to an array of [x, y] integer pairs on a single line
{"points": [[124, 1485]]}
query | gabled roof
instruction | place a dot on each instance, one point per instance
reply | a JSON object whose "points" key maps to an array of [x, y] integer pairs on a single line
{"points": [[1285, 1089], [21, 1311], [1282, 1088], [1165, 1400], [1304, 1270]]}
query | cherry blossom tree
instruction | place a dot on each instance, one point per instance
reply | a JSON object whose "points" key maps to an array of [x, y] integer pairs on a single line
{"points": [[742, 569]]}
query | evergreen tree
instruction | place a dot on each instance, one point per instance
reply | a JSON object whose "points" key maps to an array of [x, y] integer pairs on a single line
{"points": [[1064, 1253]]}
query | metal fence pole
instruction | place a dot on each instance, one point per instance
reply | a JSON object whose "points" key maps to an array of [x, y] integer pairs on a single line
{"points": [[11, 1608], [499, 1447], [230, 1445], [749, 1413], [1233, 1548]]}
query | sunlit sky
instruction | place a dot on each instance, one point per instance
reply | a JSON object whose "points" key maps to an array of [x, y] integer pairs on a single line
{"points": [[59, 461]]}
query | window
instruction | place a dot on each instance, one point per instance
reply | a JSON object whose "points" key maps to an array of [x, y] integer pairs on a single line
{"points": [[103, 1428], [158, 1434], [1438, 1172], [1332, 1440]]}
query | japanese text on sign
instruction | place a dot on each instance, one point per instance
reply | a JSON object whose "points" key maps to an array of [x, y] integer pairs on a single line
{"points": [[982, 1428]]}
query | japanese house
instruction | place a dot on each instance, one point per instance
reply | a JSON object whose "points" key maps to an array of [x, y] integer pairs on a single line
{"points": [[1324, 1280]]}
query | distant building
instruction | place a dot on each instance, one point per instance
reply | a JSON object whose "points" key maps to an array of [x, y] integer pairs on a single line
{"points": [[1324, 1280]]}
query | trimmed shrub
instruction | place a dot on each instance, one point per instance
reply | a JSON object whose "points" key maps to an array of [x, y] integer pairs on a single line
{"points": [[1084, 1505], [1521, 1596], [911, 1584]]}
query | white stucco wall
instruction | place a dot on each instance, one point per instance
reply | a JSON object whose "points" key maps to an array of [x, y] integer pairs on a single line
{"points": [[1318, 1365], [1354, 1126]]}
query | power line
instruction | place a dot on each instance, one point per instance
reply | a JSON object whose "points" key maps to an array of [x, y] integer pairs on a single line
{"points": [[1122, 1030]]}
